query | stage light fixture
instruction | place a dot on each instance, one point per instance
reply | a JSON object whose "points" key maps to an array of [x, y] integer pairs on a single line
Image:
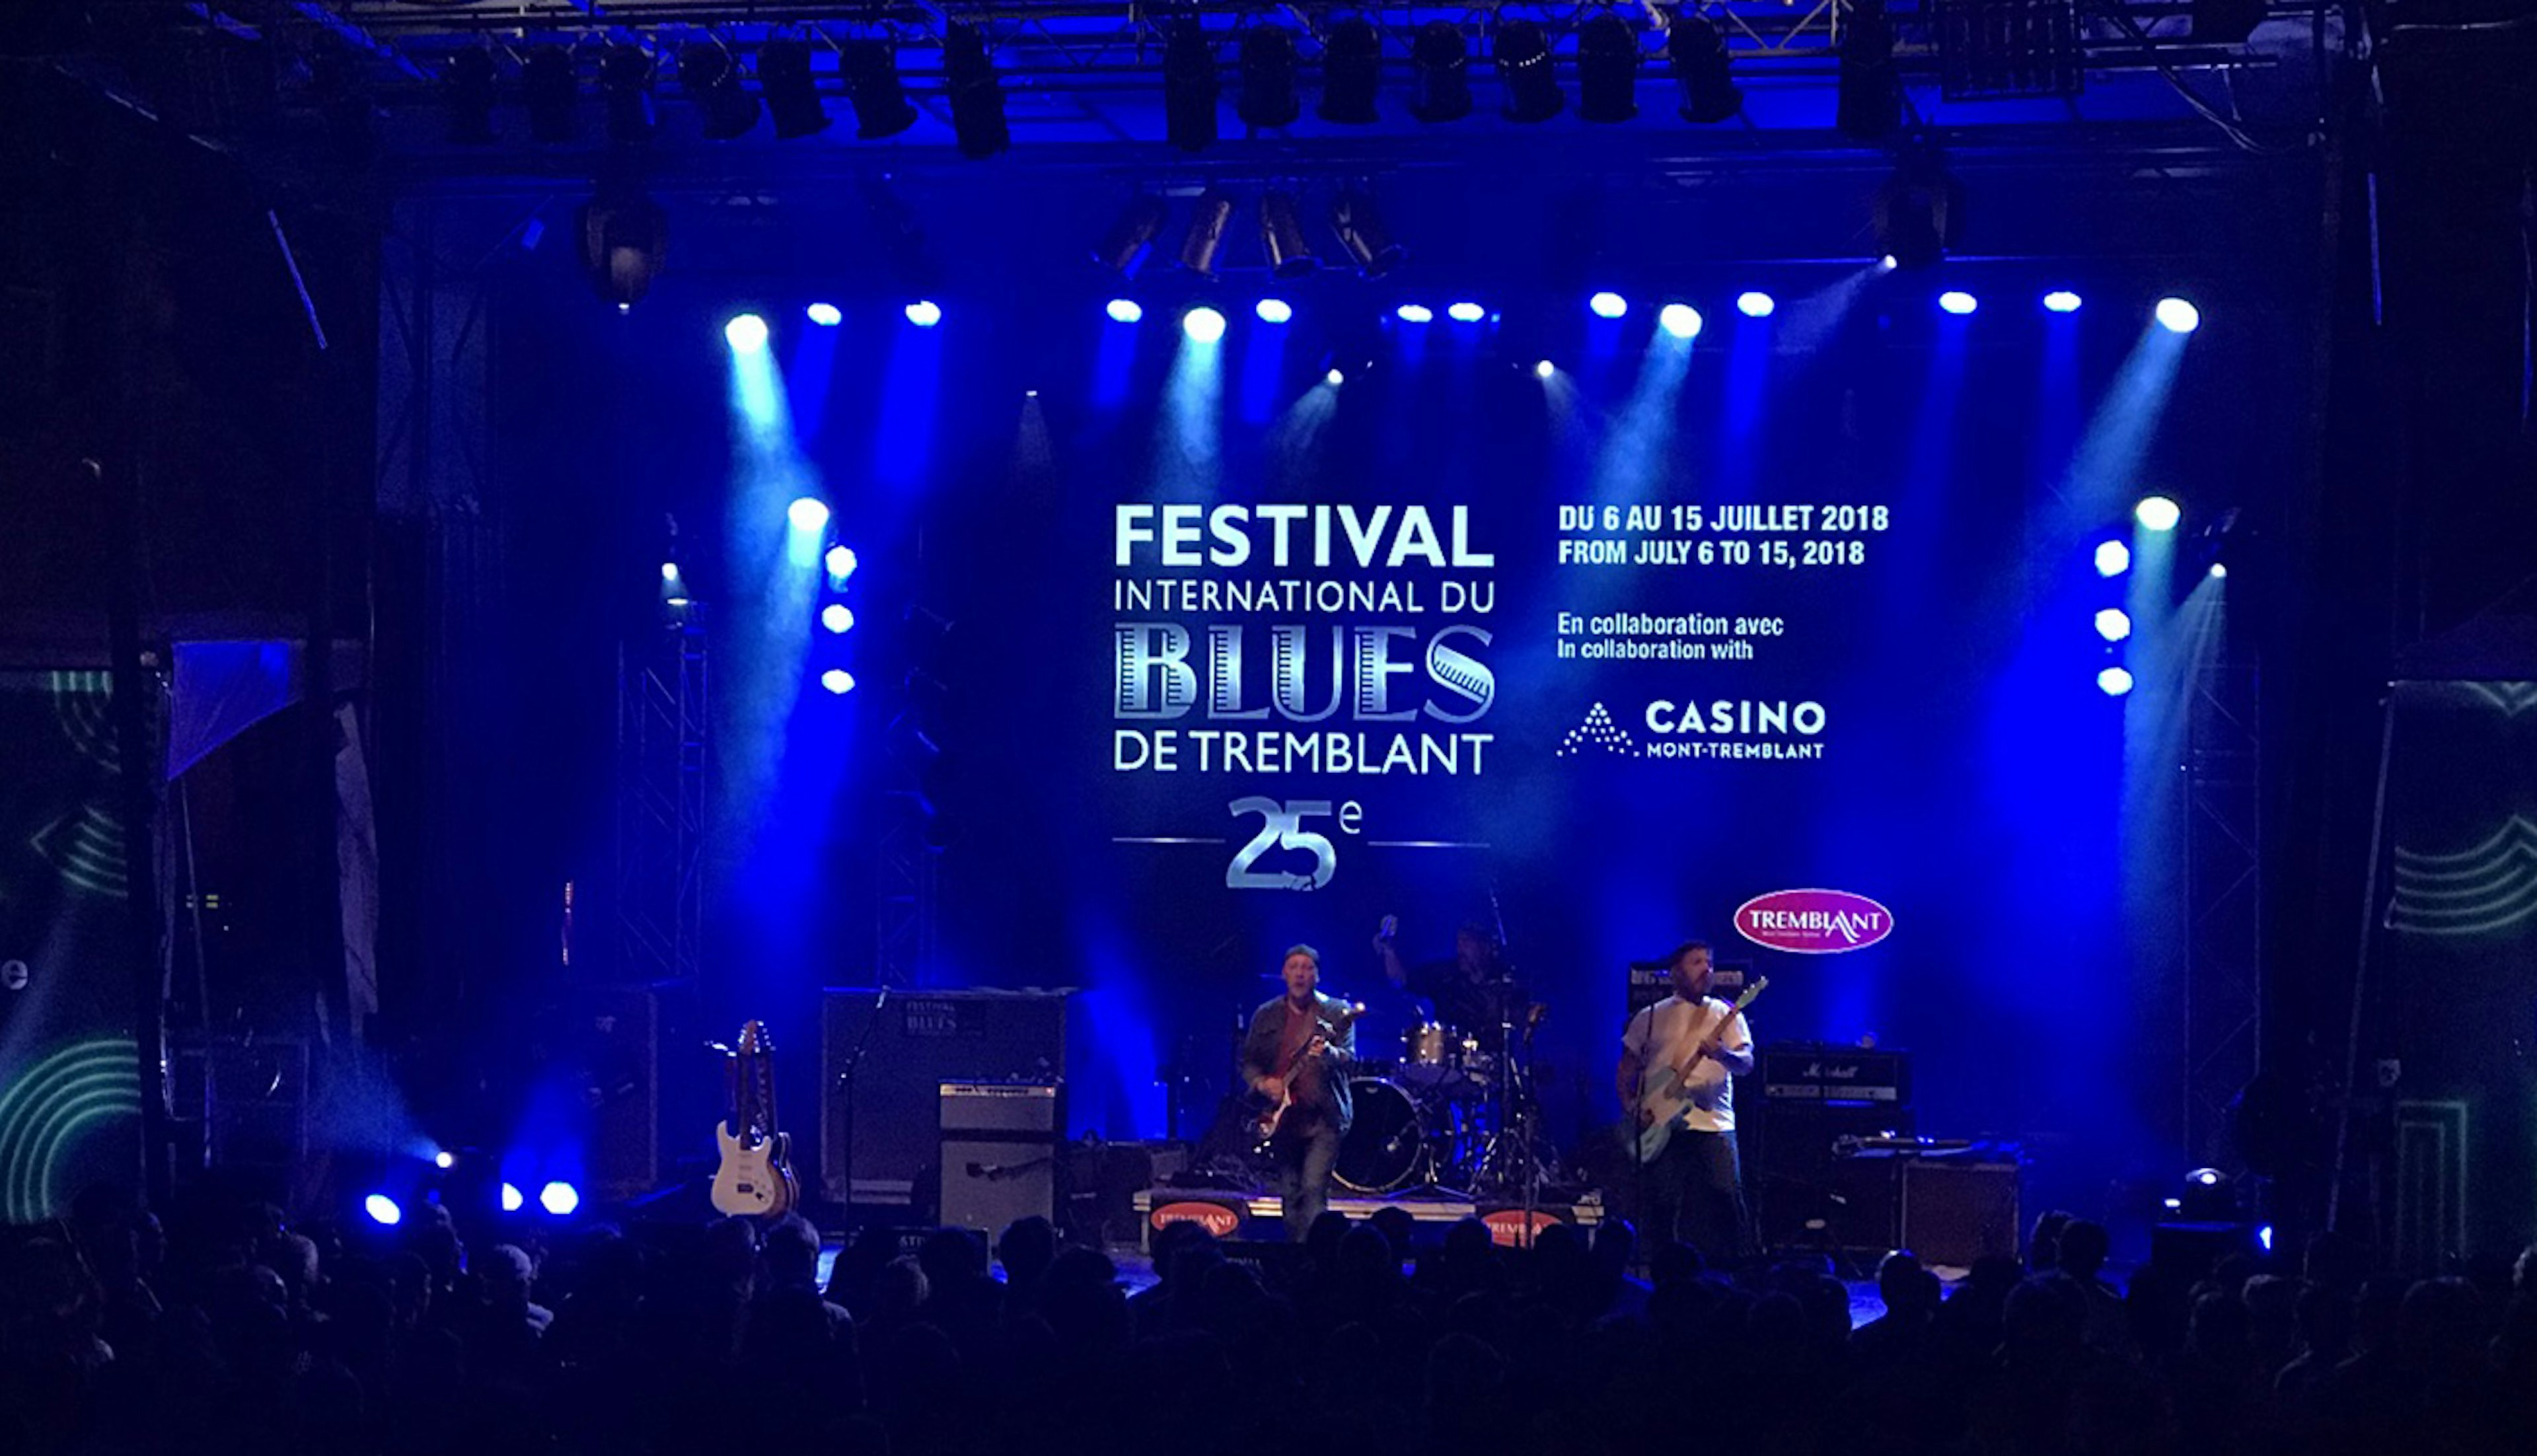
{"points": [[923, 313], [625, 237], [1267, 57], [2177, 316], [1868, 97], [838, 681], [1334, 378], [559, 1198], [2157, 513], [1755, 304], [2113, 624], [1702, 70], [1209, 216], [1522, 54], [978, 121], [1358, 222], [1607, 305], [547, 86], [513, 1200], [1189, 86], [791, 91], [1281, 236], [1958, 302], [745, 334], [1918, 213], [1466, 313], [2062, 300], [1680, 320], [382, 1210], [711, 78], [445, 1160], [836, 617], [873, 86], [807, 514], [1352, 73], [1607, 70], [1124, 310], [2219, 571], [825, 315], [1543, 369], [2264, 1237], [668, 571], [2114, 683], [471, 97], [2114, 558], [1414, 313], [1440, 88], [1888, 263], [626, 84], [1274, 310], [841, 564], [1202, 324], [1128, 238]]}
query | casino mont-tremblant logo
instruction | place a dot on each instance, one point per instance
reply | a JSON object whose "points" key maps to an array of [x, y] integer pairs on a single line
{"points": [[1718, 729], [1813, 923]]}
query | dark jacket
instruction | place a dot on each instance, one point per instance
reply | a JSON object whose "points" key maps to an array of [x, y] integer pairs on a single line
{"points": [[1269, 1032]]}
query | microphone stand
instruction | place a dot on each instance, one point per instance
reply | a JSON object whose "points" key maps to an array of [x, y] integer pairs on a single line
{"points": [[846, 1080]]}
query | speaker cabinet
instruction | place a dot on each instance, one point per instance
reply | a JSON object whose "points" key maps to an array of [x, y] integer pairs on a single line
{"points": [[1806, 1193], [884, 1059], [1956, 1212]]}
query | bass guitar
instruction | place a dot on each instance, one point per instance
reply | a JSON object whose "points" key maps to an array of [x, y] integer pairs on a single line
{"points": [[1268, 1122], [755, 1176], [1665, 1093]]}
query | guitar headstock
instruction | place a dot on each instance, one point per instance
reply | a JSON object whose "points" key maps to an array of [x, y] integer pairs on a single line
{"points": [[1760, 984], [753, 1040]]}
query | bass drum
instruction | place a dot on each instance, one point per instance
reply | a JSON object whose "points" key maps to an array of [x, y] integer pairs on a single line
{"points": [[1381, 1149]]}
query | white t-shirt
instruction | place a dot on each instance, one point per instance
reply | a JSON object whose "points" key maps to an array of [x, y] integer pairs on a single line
{"points": [[1663, 1032]]}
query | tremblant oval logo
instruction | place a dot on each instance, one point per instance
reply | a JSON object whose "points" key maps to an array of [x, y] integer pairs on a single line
{"points": [[1813, 923], [1216, 1218]]}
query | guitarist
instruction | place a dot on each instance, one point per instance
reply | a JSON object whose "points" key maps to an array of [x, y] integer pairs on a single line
{"points": [[1291, 1050], [1694, 1185]]}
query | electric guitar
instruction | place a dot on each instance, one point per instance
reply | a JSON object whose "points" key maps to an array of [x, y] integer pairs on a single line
{"points": [[755, 1176], [1267, 1123], [1665, 1092]]}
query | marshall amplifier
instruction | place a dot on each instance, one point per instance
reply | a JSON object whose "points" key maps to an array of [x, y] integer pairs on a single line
{"points": [[999, 1152], [1802, 1074]]}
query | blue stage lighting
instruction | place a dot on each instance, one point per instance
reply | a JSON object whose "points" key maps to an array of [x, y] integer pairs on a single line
{"points": [[2114, 683], [2264, 1237], [668, 571], [1466, 313], [2114, 558], [1680, 320], [1202, 324], [837, 680], [809, 514], [2062, 300], [1544, 369], [1334, 378], [841, 563], [1958, 302], [1415, 313], [1125, 310], [1608, 305], [383, 1210], [2113, 625], [1755, 304], [2219, 571], [745, 334], [1274, 310], [1888, 263], [512, 1198], [925, 313], [836, 617], [825, 315], [2157, 513], [559, 1198], [444, 1159], [2177, 316]]}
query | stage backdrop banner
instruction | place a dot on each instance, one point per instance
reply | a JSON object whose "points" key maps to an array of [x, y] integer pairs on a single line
{"points": [[70, 1100]]}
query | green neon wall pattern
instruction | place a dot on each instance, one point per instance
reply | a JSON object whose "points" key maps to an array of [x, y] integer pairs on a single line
{"points": [[67, 1096]]}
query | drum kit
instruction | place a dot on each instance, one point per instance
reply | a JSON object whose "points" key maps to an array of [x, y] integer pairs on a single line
{"points": [[1452, 1117]]}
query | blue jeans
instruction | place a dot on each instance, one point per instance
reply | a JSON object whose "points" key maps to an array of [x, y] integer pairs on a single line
{"points": [[1698, 1189], [1304, 1176]]}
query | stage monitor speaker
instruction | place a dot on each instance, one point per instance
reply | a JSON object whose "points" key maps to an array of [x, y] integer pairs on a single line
{"points": [[986, 1185], [898, 1049], [1955, 1212], [1805, 1192]]}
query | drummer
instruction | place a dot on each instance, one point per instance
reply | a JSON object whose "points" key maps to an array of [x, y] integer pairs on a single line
{"points": [[1474, 993]]}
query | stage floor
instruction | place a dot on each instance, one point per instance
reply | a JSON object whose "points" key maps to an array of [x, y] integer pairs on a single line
{"points": [[1257, 1215]]}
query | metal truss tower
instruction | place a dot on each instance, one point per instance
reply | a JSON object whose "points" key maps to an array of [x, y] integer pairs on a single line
{"points": [[2222, 844], [662, 747]]}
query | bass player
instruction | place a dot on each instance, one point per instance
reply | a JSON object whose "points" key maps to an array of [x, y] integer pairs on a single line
{"points": [[1297, 1056], [1694, 1183]]}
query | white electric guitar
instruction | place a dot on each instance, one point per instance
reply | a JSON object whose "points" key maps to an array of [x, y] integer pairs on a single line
{"points": [[1665, 1092], [754, 1178]]}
